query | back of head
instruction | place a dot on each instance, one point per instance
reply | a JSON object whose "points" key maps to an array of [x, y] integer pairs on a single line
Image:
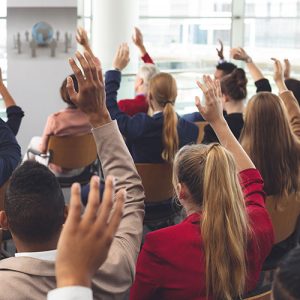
{"points": [[226, 67], [146, 72], [34, 203], [287, 278], [270, 143], [234, 85], [294, 86], [64, 92], [210, 174], [163, 90]]}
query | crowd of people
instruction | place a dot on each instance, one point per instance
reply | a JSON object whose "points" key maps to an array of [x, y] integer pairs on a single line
{"points": [[247, 163]]}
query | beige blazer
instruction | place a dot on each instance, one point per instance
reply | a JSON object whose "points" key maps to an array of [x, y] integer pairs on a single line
{"points": [[24, 278]]}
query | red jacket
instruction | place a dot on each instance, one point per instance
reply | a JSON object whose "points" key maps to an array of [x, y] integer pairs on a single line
{"points": [[171, 263], [139, 103]]}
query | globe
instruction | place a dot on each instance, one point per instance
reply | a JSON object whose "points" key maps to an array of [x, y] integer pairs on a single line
{"points": [[42, 33]]}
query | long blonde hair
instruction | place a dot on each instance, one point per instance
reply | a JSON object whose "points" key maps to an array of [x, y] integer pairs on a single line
{"points": [[163, 90], [272, 146], [210, 174]]}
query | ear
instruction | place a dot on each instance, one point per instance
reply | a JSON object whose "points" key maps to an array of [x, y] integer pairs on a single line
{"points": [[225, 98], [182, 191], [3, 220]]}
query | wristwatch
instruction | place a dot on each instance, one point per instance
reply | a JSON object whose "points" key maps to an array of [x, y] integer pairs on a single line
{"points": [[248, 60]]}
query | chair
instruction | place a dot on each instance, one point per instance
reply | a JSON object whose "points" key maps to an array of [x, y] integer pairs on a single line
{"points": [[72, 152], [201, 126], [263, 296]]}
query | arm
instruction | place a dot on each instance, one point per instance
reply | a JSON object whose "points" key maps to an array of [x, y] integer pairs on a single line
{"points": [[262, 84], [213, 113], [138, 40], [220, 51]]}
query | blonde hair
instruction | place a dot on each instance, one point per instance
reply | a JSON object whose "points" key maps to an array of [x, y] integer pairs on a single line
{"points": [[210, 174], [269, 141], [163, 90]]}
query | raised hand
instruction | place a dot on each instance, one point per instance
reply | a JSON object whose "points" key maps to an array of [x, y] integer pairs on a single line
{"points": [[90, 98], [278, 75], [137, 38], [221, 50], [121, 59], [212, 111], [287, 69], [85, 240], [240, 54], [82, 37]]}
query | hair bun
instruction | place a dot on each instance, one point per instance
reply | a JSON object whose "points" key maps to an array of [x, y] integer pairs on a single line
{"points": [[240, 77]]}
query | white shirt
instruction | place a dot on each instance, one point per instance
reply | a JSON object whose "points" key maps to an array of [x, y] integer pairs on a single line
{"points": [[71, 293], [43, 255]]}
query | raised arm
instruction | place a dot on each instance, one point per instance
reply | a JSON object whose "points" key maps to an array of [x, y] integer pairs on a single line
{"points": [[212, 112], [262, 84], [287, 97], [117, 273], [287, 69], [220, 51], [138, 40]]}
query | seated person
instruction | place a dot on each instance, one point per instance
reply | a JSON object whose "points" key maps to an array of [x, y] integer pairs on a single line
{"points": [[35, 211], [150, 139], [69, 121], [145, 73], [217, 252], [14, 113]]}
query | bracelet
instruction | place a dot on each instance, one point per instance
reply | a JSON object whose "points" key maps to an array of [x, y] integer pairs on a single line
{"points": [[248, 60]]}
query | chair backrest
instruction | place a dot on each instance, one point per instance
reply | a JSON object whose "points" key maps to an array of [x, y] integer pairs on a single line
{"points": [[263, 296], [284, 217], [201, 126], [2, 194], [72, 152], [157, 181]]}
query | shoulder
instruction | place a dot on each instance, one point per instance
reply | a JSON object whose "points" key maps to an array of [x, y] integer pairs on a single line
{"points": [[193, 117]]}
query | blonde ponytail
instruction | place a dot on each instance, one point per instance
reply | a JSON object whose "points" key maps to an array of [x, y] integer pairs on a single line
{"points": [[209, 173]]}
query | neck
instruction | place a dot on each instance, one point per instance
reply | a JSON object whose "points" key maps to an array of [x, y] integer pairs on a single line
{"points": [[155, 106], [190, 208], [234, 107], [140, 90]]}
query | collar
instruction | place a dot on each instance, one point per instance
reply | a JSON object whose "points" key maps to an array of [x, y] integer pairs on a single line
{"points": [[156, 112], [43, 255]]}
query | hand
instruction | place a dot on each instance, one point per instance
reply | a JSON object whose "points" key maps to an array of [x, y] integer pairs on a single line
{"points": [[220, 51], [278, 75], [240, 54], [121, 59], [213, 109], [82, 37], [85, 240], [287, 69], [90, 98], [137, 38]]}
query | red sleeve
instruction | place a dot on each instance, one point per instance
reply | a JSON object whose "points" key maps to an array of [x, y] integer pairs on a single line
{"points": [[133, 106], [147, 59]]}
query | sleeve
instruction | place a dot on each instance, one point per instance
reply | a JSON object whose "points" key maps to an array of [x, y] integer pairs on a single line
{"points": [[263, 85], [71, 293], [130, 127], [10, 152], [48, 130], [14, 118], [293, 110], [147, 59], [117, 273]]}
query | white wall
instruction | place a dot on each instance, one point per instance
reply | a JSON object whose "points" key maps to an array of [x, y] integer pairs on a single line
{"points": [[42, 3], [35, 82]]}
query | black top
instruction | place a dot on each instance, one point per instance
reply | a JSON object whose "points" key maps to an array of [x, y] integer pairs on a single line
{"points": [[14, 118]]}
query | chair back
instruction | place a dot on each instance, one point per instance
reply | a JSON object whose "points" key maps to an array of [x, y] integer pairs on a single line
{"points": [[72, 152], [284, 217], [157, 181], [201, 126], [2, 194], [263, 296]]}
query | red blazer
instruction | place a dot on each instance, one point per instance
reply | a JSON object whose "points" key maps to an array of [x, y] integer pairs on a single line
{"points": [[139, 103], [171, 263]]}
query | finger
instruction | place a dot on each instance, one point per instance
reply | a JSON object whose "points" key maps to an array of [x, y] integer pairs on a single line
{"points": [[117, 213], [92, 66], [85, 66], [201, 86], [71, 90], [218, 87], [77, 72], [91, 210], [107, 201], [75, 206], [198, 104]]}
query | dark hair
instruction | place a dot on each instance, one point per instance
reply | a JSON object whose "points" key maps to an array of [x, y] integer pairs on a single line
{"points": [[294, 86], [226, 67], [287, 278], [234, 85], [64, 92], [34, 203]]}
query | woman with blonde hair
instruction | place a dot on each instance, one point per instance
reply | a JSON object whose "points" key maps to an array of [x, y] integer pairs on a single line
{"points": [[217, 252], [150, 139]]}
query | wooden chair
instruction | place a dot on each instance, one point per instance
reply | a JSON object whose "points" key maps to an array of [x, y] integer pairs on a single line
{"points": [[71, 152], [263, 296], [201, 126], [2, 194]]}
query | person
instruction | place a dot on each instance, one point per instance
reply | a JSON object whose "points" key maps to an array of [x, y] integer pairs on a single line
{"points": [[286, 281], [234, 90], [150, 139], [69, 121], [34, 206], [79, 255], [221, 245], [14, 113], [139, 103]]}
